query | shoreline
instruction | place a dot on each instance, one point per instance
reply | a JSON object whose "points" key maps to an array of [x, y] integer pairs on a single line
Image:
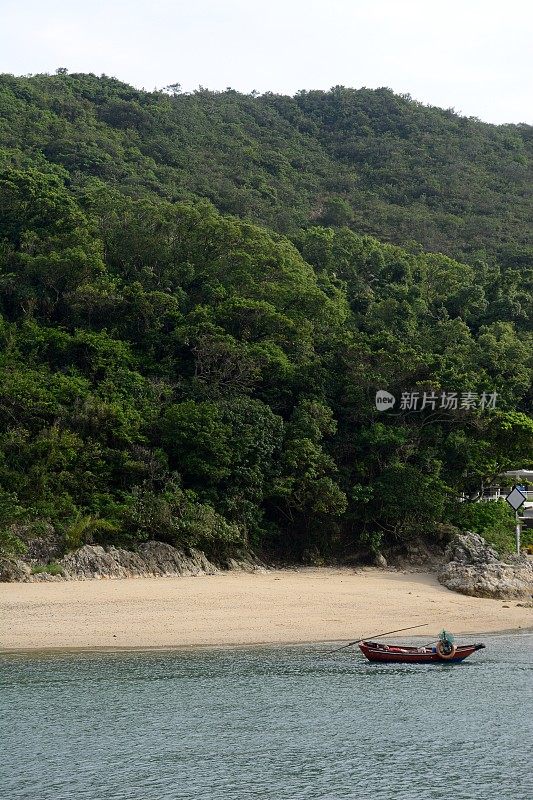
{"points": [[193, 648], [235, 609]]}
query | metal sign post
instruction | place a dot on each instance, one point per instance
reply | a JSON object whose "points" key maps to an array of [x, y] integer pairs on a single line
{"points": [[516, 500]]}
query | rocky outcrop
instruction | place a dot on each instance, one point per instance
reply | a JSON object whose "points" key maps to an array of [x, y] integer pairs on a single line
{"points": [[473, 567], [12, 569], [245, 561], [152, 559], [41, 542], [163, 559], [45, 547], [92, 561], [470, 548]]}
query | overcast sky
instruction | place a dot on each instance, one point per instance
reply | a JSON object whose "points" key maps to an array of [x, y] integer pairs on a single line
{"points": [[472, 55]]}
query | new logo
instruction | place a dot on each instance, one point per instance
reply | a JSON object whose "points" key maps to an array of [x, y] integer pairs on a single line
{"points": [[384, 400]]}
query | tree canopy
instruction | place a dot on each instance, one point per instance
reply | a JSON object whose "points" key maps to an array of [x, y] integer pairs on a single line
{"points": [[381, 163], [196, 317]]}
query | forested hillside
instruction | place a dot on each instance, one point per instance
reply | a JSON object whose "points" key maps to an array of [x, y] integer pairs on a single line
{"points": [[383, 164], [172, 369]]}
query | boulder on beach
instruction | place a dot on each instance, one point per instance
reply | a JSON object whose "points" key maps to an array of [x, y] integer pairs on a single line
{"points": [[474, 568]]}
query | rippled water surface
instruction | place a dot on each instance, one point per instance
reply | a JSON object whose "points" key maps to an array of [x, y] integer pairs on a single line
{"points": [[266, 723]]}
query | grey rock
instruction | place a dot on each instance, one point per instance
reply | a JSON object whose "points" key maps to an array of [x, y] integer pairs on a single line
{"points": [[46, 577], [380, 561], [474, 569], [91, 561], [127, 560], [43, 544], [152, 560], [470, 548], [163, 559], [245, 561], [13, 569]]}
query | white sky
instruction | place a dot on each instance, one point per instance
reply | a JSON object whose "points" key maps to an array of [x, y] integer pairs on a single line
{"points": [[472, 55]]}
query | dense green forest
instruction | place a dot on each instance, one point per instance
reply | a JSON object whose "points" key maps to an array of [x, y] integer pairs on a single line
{"points": [[380, 163], [196, 315]]}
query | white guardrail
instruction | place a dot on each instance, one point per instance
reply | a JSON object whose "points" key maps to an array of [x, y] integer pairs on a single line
{"points": [[501, 494]]}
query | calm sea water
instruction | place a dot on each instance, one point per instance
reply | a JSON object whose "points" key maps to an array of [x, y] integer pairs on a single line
{"points": [[276, 723]]}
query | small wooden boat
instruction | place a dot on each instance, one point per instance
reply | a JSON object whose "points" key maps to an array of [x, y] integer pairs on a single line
{"points": [[403, 654]]}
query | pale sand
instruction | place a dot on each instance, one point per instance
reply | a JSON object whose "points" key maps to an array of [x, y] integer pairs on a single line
{"points": [[234, 608]]}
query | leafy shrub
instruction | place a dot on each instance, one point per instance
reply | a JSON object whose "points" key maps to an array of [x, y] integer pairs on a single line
{"points": [[201, 526], [10, 511], [10, 545], [54, 569], [51, 569], [84, 529], [494, 520], [176, 516]]}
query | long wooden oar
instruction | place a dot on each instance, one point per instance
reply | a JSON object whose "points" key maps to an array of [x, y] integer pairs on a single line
{"points": [[377, 636]]}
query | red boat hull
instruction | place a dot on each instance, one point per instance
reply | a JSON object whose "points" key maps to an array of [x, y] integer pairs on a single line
{"points": [[383, 653]]}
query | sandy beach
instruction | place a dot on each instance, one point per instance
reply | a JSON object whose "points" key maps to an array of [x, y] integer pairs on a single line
{"points": [[281, 606]]}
